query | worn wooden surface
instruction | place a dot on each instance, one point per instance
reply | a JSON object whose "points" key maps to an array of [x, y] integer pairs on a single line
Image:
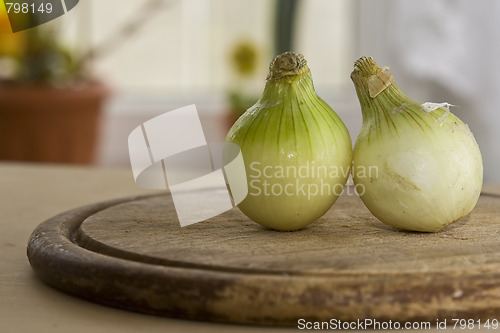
{"points": [[132, 253]]}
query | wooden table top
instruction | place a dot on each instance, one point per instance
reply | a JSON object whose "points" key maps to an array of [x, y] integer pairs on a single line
{"points": [[30, 194]]}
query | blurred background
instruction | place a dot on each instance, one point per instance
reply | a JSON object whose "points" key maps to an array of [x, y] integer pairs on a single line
{"points": [[105, 67]]}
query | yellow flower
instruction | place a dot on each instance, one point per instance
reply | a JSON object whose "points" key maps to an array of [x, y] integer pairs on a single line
{"points": [[244, 58], [4, 19], [11, 44]]}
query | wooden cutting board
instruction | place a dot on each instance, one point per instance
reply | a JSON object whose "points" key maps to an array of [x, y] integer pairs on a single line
{"points": [[132, 254]]}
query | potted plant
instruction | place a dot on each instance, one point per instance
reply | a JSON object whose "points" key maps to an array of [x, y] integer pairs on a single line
{"points": [[49, 106]]}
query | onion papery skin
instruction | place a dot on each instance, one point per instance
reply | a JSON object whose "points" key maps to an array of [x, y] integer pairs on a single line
{"points": [[416, 168], [295, 143]]}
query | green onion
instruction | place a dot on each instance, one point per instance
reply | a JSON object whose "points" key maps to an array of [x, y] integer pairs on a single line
{"points": [[297, 151]]}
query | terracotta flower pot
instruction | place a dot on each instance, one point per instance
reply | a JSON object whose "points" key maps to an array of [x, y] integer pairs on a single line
{"points": [[46, 124]]}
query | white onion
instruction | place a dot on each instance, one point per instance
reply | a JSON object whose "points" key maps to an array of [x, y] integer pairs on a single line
{"points": [[418, 164]]}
